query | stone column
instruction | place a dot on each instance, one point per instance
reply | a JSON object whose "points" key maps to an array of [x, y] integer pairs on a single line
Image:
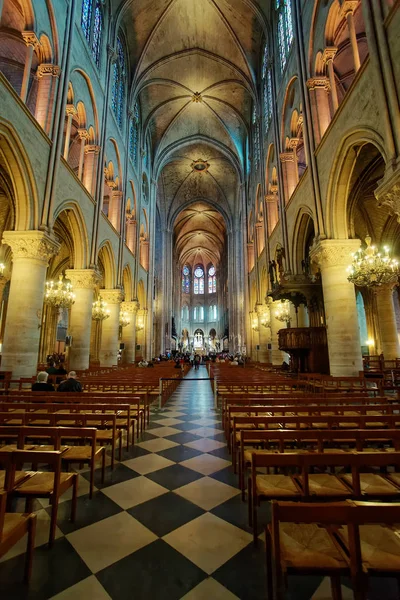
{"points": [[319, 88], [31, 253], [264, 334], [290, 177], [31, 42], [83, 282], [302, 316], [83, 136], [70, 111], [250, 256], [47, 75], [272, 211], [276, 354], [328, 56], [131, 226], [348, 8], [387, 321], [141, 322], [144, 254], [114, 209], [90, 167], [129, 332], [110, 328], [333, 257]]}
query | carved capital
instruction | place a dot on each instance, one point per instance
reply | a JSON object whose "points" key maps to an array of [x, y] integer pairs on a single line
{"points": [[70, 110], [83, 134], [333, 253], [319, 83], [349, 6], [293, 143], [48, 69], [92, 149], [31, 245], [116, 194], [30, 39], [130, 307], [329, 54], [112, 296], [388, 192], [83, 278], [112, 55], [286, 157], [271, 198]]}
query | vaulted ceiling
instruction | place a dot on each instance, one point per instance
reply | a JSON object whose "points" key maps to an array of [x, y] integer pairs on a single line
{"points": [[194, 66]]}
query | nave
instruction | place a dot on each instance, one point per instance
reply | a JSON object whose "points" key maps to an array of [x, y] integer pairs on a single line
{"points": [[168, 523]]}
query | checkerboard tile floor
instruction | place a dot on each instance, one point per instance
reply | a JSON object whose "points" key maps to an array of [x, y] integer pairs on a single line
{"points": [[167, 524]]}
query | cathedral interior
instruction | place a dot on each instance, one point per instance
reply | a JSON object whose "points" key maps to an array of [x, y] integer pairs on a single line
{"points": [[211, 178]]}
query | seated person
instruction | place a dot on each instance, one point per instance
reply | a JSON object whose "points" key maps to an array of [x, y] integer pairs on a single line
{"points": [[51, 368], [41, 384], [71, 384]]}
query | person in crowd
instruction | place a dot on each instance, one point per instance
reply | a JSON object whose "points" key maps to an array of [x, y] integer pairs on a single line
{"points": [[51, 368], [71, 384], [41, 384], [196, 362], [143, 363], [177, 364]]}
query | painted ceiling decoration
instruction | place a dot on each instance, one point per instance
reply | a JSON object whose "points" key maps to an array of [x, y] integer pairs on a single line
{"points": [[195, 66]]}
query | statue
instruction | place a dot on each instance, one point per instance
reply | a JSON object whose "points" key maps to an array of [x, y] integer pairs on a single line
{"points": [[272, 272], [280, 255]]}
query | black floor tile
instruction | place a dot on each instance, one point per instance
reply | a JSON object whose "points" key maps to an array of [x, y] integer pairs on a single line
{"points": [[165, 513], [133, 452], [226, 476], [245, 574], [87, 512], [186, 426], [219, 437], [154, 572], [179, 453], [183, 438], [235, 511], [54, 570], [119, 474], [146, 437], [174, 477], [221, 453]]}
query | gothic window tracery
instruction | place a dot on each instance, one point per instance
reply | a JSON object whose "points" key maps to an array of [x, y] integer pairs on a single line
{"points": [[186, 280], [118, 90], [256, 137], [266, 75], [285, 30], [92, 26], [198, 281], [212, 280], [134, 134]]}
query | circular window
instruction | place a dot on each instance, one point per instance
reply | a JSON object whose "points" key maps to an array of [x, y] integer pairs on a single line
{"points": [[186, 271], [211, 271], [199, 272]]}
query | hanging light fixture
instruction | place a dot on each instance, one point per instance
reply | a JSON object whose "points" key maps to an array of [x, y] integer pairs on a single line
{"points": [[140, 323], [100, 312], [2, 268], [254, 323], [265, 318], [371, 268], [59, 295], [124, 319], [282, 311]]}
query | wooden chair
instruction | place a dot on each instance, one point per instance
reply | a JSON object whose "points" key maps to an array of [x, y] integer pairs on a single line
{"points": [[298, 545], [13, 527], [49, 485]]}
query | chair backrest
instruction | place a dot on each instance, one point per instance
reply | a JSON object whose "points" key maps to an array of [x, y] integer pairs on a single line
{"points": [[50, 457]]}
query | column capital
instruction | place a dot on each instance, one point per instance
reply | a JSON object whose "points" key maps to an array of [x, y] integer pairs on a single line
{"points": [[388, 192], [48, 69], [271, 198], [116, 193], [111, 53], [385, 288], [36, 245], [293, 143], [83, 278], [70, 110], [286, 157], [329, 54], [333, 253], [30, 39], [349, 6], [130, 307], [112, 296], [92, 149], [83, 134], [320, 82]]}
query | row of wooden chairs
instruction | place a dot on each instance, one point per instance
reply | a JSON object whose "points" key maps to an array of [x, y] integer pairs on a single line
{"points": [[352, 539], [357, 478]]}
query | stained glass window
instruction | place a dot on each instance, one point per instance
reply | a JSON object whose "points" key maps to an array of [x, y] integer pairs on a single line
{"points": [[201, 313], [134, 134], [118, 90], [186, 280], [97, 31], [86, 18], [195, 313], [198, 281], [267, 87], [256, 137], [285, 30], [212, 280]]}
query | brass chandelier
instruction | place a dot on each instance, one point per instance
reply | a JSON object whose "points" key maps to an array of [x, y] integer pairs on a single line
{"points": [[282, 311], [100, 312], [124, 319], [59, 295], [371, 268]]}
